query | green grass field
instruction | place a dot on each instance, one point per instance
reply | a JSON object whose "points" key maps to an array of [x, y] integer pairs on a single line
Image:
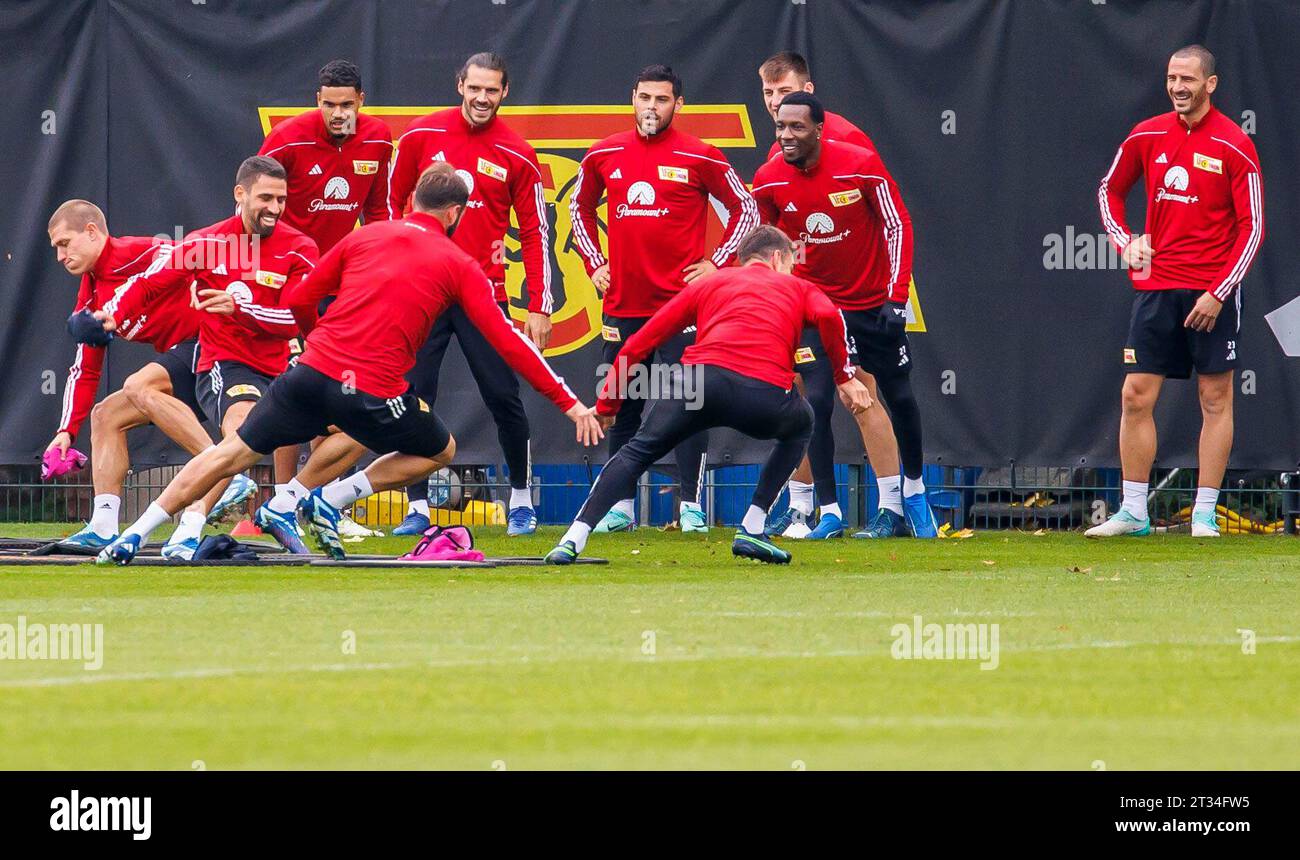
{"points": [[1126, 653]]}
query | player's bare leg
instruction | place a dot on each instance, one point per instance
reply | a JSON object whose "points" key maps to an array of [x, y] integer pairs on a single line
{"points": [[329, 459], [150, 392], [1137, 453], [1216, 393], [877, 432], [109, 421]]}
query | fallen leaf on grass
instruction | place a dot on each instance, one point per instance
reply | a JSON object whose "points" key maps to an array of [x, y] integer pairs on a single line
{"points": [[989, 561], [1077, 569]]}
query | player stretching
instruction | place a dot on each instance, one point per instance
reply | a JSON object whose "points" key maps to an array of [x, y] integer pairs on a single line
{"points": [[243, 265], [161, 392], [337, 163], [846, 208], [659, 180], [393, 281], [750, 318], [502, 173], [1205, 220]]}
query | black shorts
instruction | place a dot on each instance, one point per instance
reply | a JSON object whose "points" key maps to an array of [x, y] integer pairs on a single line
{"points": [[179, 362], [876, 349], [303, 402], [1159, 343], [226, 383], [615, 331]]}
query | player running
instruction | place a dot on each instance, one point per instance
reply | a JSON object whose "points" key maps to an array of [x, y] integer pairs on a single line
{"points": [[502, 173], [1205, 221], [241, 268], [393, 281], [848, 212], [749, 318], [337, 161], [659, 180]]}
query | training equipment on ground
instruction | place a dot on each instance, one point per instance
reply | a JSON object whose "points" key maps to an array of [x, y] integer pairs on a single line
{"points": [[455, 543]]}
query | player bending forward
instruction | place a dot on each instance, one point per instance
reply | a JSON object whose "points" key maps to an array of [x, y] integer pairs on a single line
{"points": [[749, 320], [393, 279]]}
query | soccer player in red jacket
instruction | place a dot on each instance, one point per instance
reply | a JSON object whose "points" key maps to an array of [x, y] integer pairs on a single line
{"points": [[337, 160], [659, 180], [857, 240], [787, 72], [161, 392], [750, 318], [1205, 221], [241, 268], [502, 173], [393, 280]]}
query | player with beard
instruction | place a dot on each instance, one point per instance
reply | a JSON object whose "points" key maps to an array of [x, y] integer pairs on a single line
{"points": [[241, 267], [842, 202], [659, 180], [161, 392], [502, 173]]}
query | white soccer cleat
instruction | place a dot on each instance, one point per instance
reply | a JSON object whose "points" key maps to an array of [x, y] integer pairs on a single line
{"points": [[1204, 526], [1120, 525], [350, 528]]}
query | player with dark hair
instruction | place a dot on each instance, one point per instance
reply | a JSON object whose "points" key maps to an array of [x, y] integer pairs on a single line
{"points": [[502, 173], [393, 280], [750, 318], [857, 237], [161, 392], [1205, 221], [659, 180], [241, 267]]}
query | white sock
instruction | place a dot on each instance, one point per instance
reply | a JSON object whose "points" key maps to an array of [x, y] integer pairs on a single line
{"points": [[103, 519], [343, 493], [191, 526], [755, 520], [287, 496], [913, 486], [626, 506], [1207, 499], [419, 506], [152, 517], [891, 494], [578, 534], [801, 497], [832, 508], [1135, 499], [521, 498]]}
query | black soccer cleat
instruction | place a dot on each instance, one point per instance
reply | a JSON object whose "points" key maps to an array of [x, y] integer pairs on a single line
{"points": [[759, 548], [565, 553]]}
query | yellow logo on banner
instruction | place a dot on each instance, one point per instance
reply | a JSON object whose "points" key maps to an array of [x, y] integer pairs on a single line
{"points": [[240, 390], [487, 168], [673, 174], [1204, 162], [804, 355], [845, 198], [270, 279], [365, 168], [609, 332]]}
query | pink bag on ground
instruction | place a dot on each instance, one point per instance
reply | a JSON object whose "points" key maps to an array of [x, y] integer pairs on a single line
{"points": [[55, 465], [454, 543]]}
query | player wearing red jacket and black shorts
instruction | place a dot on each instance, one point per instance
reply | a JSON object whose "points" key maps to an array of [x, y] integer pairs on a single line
{"points": [[749, 319], [393, 280], [857, 239], [162, 392], [659, 180], [502, 173], [1205, 221]]}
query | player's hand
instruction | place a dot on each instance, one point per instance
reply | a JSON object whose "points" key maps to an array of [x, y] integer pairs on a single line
{"points": [[538, 329], [62, 441], [216, 302], [600, 279], [695, 271], [894, 316], [1205, 313], [584, 417], [1138, 253], [106, 318], [855, 396]]}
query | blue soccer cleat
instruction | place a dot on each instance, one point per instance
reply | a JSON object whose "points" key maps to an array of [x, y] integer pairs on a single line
{"points": [[240, 490], [182, 550], [121, 551], [322, 521], [920, 519], [691, 519], [414, 524], [758, 548], [282, 527], [615, 521], [521, 521], [829, 526], [87, 539], [564, 553], [885, 524]]}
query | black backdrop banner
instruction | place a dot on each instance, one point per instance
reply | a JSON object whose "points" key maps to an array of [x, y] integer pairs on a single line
{"points": [[998, 118]]}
